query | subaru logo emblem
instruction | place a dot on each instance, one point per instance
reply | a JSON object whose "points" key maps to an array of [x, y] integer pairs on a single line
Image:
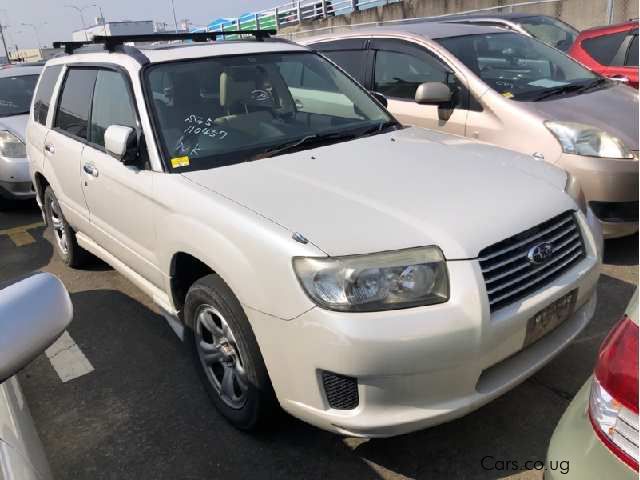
{"points": [[540, 253]]}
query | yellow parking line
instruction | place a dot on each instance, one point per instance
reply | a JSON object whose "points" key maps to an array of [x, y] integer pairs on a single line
{"points": [[20, 235]]}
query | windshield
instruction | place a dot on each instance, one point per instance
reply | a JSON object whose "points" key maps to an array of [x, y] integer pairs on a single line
{"points": [[16, 94], [223, 110], [551, 31], [518, 66]]}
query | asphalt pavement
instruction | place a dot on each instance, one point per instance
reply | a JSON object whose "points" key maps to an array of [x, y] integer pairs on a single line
{"points": [[143, 414]]}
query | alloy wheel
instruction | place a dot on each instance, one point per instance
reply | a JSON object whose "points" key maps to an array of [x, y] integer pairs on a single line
{"points": [[220, 356]]}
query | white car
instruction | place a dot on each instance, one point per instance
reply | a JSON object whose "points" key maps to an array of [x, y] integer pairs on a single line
{"points": [[33, 313], [17, 84], [369, 278]]}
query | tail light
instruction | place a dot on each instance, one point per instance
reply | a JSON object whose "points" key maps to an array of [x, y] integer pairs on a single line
{"points": [[613, 403]]}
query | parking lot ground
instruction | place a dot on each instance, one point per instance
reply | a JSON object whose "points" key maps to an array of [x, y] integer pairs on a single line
{"points": [[143, 414]]}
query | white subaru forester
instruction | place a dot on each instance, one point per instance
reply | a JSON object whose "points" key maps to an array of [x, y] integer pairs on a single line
{"points": [[370, 279]]}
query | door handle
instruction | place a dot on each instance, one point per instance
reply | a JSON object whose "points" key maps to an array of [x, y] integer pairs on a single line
{"points": [[90, 169], [50, 148]]}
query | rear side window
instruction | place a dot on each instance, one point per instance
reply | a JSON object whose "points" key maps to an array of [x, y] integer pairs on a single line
{"points": [[352, 61], [43, 95], [632, 54], [603, 49], [107, 110], [75, 103]]}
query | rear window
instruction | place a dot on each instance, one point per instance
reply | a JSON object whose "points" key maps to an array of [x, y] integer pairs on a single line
{"points": [[43, 95], [16, 93], [75, 103], [603, 49]]}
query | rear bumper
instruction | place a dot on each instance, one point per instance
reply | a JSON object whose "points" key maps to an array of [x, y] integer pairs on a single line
{"points": [[610, 186], [575, 443], [15, 181], [423, 366]]}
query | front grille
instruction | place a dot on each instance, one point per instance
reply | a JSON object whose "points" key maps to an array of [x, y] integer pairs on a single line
{"points": [[341, 391], [508, 273]]}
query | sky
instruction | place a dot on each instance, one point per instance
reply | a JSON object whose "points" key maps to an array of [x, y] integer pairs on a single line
{"points": [[54, 21]]}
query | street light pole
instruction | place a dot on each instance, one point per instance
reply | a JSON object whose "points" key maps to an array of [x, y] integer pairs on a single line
{"points": [[80, 10], [175, 19], [4, 43]]}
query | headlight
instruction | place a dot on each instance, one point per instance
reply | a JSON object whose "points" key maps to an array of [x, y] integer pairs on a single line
{"points": [[574, 190], [379, 281], [580, 139], [11, 146]]}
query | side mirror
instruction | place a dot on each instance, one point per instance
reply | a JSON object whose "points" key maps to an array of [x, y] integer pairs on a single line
{"points": [[433, 93], [121, 143], [33, 314], [380, 97]]}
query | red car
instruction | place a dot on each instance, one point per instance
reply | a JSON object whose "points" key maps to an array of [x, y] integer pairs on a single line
{"points": [[611, 51]]}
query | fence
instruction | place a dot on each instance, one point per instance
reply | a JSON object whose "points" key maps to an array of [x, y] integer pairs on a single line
{"points": [[293, 13], [304, 17]]}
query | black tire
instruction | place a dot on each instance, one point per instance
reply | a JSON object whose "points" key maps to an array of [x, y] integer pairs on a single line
{"points": [[258, 400], [74, 255]]}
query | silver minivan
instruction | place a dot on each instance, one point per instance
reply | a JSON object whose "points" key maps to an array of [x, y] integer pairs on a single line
{"points": [[498, 86]]}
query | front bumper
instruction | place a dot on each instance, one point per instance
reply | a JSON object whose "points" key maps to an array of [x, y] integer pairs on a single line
{"points": [[15, 181], [575, 443], [608, 181], [421, 366]]}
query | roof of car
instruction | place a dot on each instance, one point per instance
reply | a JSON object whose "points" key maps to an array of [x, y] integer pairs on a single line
{"points": [[17, 70], [426, 29], [490, 15]]}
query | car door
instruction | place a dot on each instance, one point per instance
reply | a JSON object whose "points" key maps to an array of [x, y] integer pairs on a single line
{"points": [[118, 196], [399, 68], [66, 141], [37, 128]]}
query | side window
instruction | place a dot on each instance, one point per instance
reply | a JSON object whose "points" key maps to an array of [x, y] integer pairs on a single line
{"points": [[75, 103], [603, 49], [398, 75], [351, 60], [43, 95], [110, 85], [632, 54]]}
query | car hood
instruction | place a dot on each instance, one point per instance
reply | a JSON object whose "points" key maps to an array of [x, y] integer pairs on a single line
{"points": [[613, 109], [16, 124], [396, 190]]}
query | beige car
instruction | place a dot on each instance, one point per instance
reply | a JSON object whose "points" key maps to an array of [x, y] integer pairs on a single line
{"points": [[509, 89]]}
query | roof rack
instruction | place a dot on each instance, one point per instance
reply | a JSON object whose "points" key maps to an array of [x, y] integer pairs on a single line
{"points": [[112, 42]]}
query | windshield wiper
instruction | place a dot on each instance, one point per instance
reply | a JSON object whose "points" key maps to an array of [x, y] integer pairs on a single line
{"points": [[551, 92], [598, 82], [323, 138]]}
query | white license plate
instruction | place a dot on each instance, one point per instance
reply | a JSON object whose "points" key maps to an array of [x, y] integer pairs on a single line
{"points": [[549, 318]]}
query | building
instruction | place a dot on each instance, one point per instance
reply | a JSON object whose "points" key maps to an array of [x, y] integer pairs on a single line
{"points": [[33, 54], [127, 27]]}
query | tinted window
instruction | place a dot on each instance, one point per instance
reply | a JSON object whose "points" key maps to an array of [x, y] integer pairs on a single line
{"points": [[75, 102], [45, 90], [632, 55], [106, 112], [551, 31], [399, 74], [351, 60], [16, 94], [603, 49]]}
